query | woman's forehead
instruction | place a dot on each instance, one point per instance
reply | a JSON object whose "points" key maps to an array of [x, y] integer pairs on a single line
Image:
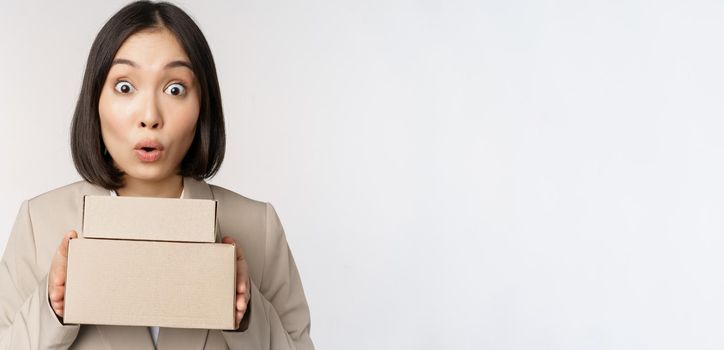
{"points": [[152, 48]]}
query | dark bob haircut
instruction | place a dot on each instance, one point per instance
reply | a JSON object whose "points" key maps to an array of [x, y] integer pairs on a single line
{"points": [[206, 152]]}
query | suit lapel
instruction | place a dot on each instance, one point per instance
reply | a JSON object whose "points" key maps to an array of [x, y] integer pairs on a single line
{"points": [[126, 337], [194, 189]]}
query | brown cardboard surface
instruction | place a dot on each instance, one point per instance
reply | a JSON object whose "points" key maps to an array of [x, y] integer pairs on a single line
{"points": [[145, 283], [157, 219]]}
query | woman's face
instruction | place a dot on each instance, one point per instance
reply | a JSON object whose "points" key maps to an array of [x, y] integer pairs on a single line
{"points": [[149, 106]]}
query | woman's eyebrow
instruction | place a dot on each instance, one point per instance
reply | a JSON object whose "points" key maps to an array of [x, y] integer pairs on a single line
{"points": [[172, 64], [179, 63], [123, 61]]}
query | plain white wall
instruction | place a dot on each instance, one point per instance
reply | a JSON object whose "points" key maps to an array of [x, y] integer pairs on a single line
{"points": [[450, 174]]}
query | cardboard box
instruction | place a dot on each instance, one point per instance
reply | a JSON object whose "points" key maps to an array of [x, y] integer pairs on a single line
{"points": [[150, 262], [145, 283], [143, 218]]}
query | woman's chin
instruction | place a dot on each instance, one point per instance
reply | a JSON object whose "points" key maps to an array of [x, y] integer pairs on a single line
{"points": [[148, 173]]}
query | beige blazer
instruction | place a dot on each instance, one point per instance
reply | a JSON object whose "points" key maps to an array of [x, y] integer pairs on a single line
{"points": [[278, 315]]}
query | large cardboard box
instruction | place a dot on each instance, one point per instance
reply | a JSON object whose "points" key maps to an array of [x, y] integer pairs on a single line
{"points": [[137, 282]]}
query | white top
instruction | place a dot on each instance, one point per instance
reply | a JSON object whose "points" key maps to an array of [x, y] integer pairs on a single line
{"points": [[153, 330]]}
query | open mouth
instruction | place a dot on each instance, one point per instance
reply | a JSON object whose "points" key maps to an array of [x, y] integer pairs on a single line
{"points": [[148, 150], [148, 154]]}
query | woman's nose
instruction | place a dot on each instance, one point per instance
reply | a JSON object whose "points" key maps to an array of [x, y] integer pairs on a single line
{"points": [[151, 114], [152, 126]]}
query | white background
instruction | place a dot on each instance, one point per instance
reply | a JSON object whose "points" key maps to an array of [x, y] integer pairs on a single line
{"points": [[450, 174]]}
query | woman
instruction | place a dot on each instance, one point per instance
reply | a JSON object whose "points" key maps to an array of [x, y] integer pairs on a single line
{"points": [[149, 122]]}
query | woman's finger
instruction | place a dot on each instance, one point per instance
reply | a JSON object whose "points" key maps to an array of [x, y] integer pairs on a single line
{"points": [[60, 264], [239, 252], [241, 303], [57, 293], [242, 284], [58, 268], [63, 249]]}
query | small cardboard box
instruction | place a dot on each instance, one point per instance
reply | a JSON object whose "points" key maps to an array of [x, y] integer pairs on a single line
{"points": [[143, 218], [150, 262]]}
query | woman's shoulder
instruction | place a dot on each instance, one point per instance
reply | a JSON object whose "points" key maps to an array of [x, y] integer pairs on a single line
{"points": [[71, 196], [66, 193], [236, 210], [247, 221], [229, 198], [80, 188]]}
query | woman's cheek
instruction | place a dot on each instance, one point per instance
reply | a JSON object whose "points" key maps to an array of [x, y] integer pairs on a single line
{"points": [[187, 115], [115, 123], [181, 123]]}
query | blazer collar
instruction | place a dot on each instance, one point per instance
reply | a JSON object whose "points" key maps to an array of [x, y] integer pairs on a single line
{"points": [[193, 189]]}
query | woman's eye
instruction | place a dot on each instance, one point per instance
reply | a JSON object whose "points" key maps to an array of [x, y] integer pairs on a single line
{"points": [[176, 90], [124, 87]]}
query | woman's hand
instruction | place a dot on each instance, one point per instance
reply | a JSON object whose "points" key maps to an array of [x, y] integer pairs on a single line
{"points": [[57, 274], [243, 285]]}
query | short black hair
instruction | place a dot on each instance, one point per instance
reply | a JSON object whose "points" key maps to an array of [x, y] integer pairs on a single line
{"points": [[206, 152]]}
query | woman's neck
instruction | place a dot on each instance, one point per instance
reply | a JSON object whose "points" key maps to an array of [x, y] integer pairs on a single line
{"points": [[171, 187]]}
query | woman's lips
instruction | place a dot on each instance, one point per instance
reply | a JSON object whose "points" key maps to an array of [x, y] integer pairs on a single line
{"points": [[148, 156]]}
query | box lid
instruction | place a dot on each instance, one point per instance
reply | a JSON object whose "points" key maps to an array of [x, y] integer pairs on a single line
{"points": [[147, 218]]}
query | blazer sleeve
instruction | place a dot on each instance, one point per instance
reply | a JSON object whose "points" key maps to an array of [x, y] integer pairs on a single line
{"points": [[277, 317], [27, 320]]}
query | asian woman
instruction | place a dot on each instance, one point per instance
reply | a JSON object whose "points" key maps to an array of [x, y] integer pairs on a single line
{"points": [[149, 122]]}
